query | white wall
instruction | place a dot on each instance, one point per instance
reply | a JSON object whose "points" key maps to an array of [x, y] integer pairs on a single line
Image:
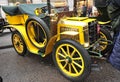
{"points": [[70, 4], [3, 2], [36, 1]]}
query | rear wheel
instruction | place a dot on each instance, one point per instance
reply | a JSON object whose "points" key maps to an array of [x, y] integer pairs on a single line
{"points": [[18, 43], [72, 60]]}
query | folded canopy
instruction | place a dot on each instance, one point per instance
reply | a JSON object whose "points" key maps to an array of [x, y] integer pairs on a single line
{"points": [[22, 9]]}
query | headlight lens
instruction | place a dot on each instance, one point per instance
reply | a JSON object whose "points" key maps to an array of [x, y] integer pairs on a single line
{"points": [[38, 11]]}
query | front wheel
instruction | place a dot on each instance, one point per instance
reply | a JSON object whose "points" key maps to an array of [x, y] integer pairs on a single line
{"points": [[72, 60]]}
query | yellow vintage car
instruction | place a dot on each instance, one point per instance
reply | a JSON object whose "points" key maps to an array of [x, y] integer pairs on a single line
{"points": [[43, 29]]}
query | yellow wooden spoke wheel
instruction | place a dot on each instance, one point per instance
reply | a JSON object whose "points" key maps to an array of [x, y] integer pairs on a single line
{"points": [[71, 59], [105, 45], [38, 32], [19, 43]]}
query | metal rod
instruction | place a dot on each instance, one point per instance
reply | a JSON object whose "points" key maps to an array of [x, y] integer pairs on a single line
{"points": [[75, 8], [49, 6]]}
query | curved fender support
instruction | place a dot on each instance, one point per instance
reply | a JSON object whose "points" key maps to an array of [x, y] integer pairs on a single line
{"points": [[53, 40], [50, 45]]}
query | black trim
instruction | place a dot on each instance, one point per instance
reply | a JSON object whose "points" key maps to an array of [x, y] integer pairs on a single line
{"points": [[4, 47]]}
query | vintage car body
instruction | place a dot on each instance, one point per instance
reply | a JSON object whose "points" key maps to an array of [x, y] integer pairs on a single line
{"points": [[42, 29]]}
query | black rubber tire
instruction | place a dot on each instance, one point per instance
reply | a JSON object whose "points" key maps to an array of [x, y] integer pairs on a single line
{"points": [[108, 36], [84, 54], [1, 80], [24, 51], [44, 28]]}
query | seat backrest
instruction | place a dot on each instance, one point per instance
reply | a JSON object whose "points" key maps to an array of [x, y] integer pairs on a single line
{"points": [[22, 9], [11, 10]]}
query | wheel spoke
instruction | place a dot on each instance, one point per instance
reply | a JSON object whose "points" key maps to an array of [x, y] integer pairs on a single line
{"points": [[61, 55], [21, 43], [62, 60], [16, 38], [20, 48], [74, 68], [64, 51], [68, 50], [104, 43], [70, 68], [79, 58], [102, 47], [102, 36], [15, 41], [73, 53], [65, 65], [78, 65], [45, 41]]}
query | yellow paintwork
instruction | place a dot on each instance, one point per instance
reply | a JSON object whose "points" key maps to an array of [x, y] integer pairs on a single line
{"points": [[78, 22], [17, 19], [38, 11], [18, 44], [103, 47], [81, 19], [30, 46], [50, 44], [102, 23], [31, 34], [67, 56], [74, 22]]}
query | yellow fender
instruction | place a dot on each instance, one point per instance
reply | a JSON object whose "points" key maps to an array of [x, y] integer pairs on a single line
{"points": [[102, 23], [50, 44], [22, 31]]}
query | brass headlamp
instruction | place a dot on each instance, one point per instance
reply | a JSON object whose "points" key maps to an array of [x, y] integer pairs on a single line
{"points": [[54, 15], [38, 11]]}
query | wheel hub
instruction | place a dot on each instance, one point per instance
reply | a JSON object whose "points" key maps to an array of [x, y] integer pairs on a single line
{"points": [[68, 59], [17, 44]]}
